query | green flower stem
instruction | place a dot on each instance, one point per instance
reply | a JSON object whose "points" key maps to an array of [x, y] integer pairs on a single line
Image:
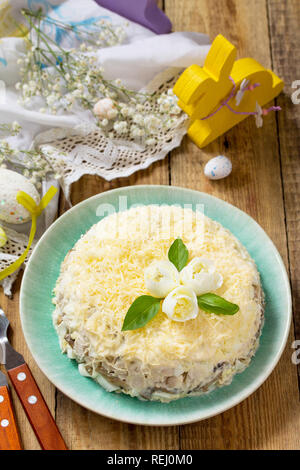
{"points": [[84, 34], [40, 32]]}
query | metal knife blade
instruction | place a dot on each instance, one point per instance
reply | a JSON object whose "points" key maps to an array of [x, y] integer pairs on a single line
{"points": [[8, 356], [3, 380], [2, 352], [12, 358]]}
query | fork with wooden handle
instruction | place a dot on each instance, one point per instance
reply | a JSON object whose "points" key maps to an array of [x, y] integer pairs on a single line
{"points": [[9, 435], [29, 393]]}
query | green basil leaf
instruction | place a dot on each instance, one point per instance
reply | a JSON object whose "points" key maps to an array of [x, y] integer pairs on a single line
{"points": [[213, 303], [178, 254], [141, 311]]}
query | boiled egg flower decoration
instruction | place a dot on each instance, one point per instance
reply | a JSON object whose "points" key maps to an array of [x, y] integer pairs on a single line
{"points": [[161, 277], [182, 288], [201, 276], [181, 304]]}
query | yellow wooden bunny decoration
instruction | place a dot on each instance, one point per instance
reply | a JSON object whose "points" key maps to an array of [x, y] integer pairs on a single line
{"points": [[208, 94]]}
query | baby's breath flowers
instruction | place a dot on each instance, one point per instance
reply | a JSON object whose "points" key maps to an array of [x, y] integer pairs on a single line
{"points": [[31, 163], [63, 77], [132, 117], [10, 128], [68, 78], [102, 34]]}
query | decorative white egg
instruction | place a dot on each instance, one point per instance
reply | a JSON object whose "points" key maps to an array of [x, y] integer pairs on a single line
{"points": [[10, 183], [218, 167]]}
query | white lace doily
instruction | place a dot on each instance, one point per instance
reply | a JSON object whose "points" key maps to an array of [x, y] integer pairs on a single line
{"points": [[93, 153], [10, 252]]}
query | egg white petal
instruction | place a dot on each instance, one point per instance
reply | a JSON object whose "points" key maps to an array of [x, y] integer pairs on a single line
{"points": [[161, 277], [201, 276], [181, 304]]}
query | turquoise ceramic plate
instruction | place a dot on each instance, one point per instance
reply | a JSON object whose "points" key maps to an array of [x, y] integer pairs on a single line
{"points": [[43, 270]]}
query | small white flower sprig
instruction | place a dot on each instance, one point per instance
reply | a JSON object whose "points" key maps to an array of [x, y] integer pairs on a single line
{"points": [[131, 120], [31, 163], [10, 128], [68, 78], [182, 288]]}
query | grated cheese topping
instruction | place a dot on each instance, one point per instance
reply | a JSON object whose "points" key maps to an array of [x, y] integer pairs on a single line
{"points": [[104, 273]]}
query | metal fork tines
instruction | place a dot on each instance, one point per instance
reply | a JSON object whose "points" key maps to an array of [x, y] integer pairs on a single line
{"points": [[8, 355]]}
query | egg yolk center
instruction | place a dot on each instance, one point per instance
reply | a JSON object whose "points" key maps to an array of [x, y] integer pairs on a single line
{"points": [[157, 276], [199, 268], [182, 306]]}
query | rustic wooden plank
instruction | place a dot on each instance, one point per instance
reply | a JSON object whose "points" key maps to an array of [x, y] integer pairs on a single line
{"points": [[285, 37], [254, 186]]}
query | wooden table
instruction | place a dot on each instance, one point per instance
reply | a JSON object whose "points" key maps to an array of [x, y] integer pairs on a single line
{"points": [[265, 183]]}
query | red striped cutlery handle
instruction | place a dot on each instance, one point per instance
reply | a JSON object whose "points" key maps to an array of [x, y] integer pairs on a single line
{"points": [[9, 435], [36, 409]]}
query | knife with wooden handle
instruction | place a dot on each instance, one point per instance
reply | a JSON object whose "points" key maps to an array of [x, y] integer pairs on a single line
{"points": [[36, 408], [29, 394], [9, 435]]}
